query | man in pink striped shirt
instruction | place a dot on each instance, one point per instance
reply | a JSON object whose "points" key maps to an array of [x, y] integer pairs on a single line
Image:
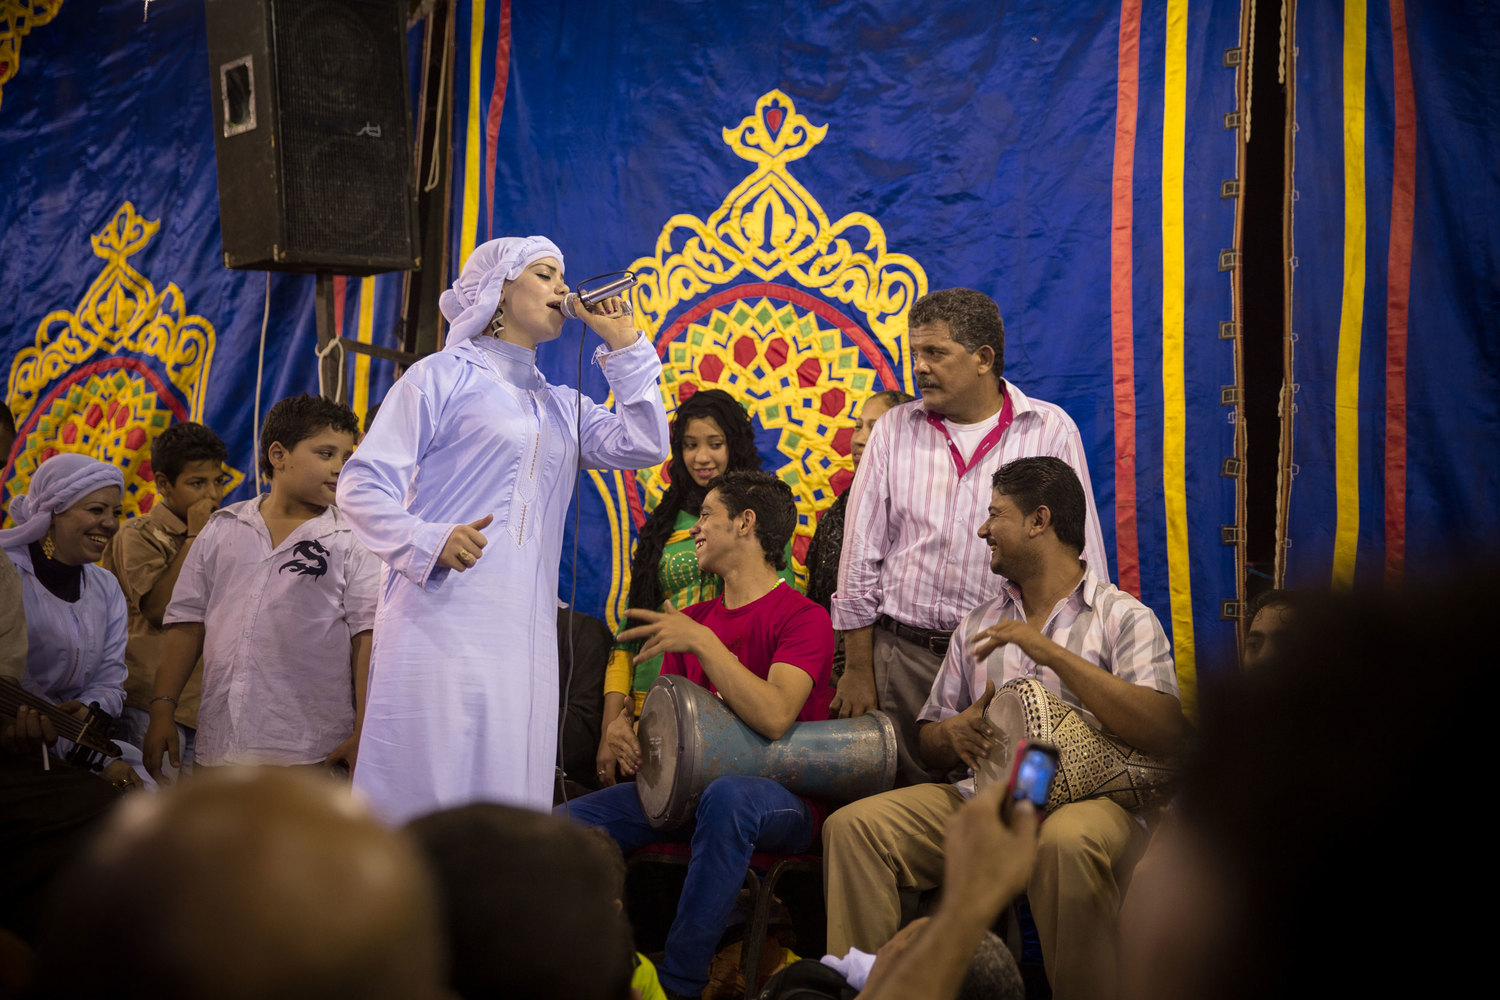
{"points": [[911, 565], [1093, 646]]}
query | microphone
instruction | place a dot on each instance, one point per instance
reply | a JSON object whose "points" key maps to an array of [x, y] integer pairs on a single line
{"points": [[574, 303]]}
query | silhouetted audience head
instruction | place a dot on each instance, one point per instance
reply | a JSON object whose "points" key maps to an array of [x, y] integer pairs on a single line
{"points": [[1326, 815], [244, 884], [529, 901], [992, 974], [1271, 616]]}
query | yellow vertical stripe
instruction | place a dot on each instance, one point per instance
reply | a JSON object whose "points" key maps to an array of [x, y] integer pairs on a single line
{"points": [[1174, 390], [1351, 316], [365, 335], [617, 510], [469, 228]]}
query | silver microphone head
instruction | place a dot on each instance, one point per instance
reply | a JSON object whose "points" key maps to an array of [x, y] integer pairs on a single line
{"points": [[575, 304], [622, 284]]}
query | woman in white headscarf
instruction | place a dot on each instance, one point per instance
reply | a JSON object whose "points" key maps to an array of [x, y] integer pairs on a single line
{"points": [[462, 488], [75, 612]]}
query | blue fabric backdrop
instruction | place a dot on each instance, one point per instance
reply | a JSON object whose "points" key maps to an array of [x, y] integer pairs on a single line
{"points": [[786, 176], [1396, 358]]}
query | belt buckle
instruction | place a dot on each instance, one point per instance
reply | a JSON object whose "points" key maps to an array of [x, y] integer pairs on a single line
{"points": [[937, 645]]}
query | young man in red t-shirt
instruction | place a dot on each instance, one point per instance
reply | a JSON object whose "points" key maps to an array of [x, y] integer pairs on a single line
{"points": [[767, 651]]}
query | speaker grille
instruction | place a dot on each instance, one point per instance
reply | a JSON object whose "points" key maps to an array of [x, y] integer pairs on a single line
{"points": [[343, 127]]}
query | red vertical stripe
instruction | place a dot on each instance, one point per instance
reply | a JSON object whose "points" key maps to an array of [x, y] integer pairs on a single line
{"points": [[1398, 297], [1121, 302], [339, 283], [492, 118]]}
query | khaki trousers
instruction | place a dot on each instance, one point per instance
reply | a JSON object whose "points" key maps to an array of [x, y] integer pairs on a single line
{"points": [[876, 847], [904, 672]]}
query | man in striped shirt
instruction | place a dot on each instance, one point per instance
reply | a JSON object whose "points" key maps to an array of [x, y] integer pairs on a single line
{"points": [[1091, 644], [911, 566]]}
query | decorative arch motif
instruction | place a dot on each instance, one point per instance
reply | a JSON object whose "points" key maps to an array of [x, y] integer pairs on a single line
{"points": [[18, 18], [107, 376], [798, 317], [770, 226]]}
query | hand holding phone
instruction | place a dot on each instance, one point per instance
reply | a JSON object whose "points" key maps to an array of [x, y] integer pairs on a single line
{"points": [[1031, 776]]}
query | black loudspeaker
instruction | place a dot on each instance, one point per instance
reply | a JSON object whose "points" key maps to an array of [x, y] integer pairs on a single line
{"points": [[312, 135]]}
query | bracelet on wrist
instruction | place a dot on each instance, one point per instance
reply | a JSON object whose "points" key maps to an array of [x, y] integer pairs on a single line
{"points": [[165, 697]]}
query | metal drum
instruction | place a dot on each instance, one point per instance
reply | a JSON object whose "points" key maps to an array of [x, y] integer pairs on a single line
{"points": [[689, 737], [1093, 763]]}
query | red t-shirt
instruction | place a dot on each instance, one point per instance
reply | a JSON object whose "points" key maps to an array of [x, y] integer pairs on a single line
{"points": [[781, 627]]}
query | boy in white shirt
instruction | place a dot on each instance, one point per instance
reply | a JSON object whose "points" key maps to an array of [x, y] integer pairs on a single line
{"points": [[278, 597]]}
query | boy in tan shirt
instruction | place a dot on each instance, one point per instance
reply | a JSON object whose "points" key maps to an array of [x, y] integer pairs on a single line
{"points": [[187, 461]]}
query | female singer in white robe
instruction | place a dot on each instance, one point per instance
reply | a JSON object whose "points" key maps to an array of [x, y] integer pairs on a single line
{"points": [[462, 489]]}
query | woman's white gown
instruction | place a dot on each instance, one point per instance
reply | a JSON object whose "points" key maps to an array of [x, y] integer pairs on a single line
{"points": [[463, 697]]}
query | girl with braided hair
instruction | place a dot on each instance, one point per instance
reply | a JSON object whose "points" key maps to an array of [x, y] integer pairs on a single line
{"points": [[711, 434]]}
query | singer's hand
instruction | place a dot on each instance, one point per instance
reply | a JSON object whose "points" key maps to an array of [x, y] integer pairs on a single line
{"points": [[611, 320], [465, 545]]}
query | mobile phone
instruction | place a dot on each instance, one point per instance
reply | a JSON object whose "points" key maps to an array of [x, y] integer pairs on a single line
{"points": [[1031, 776]]}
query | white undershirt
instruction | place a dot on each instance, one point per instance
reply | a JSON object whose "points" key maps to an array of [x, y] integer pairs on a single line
{"points": [[968, 436]]}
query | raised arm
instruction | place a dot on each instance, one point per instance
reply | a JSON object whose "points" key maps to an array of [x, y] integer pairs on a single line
{"points": [[154, 601], [634, 434]]}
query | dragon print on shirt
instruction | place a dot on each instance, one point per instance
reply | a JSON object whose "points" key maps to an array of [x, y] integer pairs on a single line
{"points": [[309, 558]]}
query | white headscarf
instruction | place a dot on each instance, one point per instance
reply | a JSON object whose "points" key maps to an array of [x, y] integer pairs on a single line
{"points": [[470, 304], [59, 483]]}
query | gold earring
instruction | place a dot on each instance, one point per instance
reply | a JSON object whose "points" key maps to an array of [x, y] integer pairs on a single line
{"points": [[49, 548]]}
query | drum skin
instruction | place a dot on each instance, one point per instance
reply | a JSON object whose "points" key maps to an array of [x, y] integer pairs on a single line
{"points": [[689, 737], [1092, 763]]}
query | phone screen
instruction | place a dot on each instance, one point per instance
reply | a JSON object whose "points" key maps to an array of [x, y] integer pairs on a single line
{"points": [[1034, 773]]}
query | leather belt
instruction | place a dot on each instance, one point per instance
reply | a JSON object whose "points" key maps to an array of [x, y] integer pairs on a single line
{"points": [[935, 639]]}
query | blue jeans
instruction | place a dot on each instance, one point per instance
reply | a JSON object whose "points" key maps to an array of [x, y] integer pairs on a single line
{"points": [[736, 817]]}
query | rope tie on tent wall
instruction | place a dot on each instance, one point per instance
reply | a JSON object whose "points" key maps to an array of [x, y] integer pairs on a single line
{"points": [[333, 345], [434, 172], [260, 371], [1281, 48], [1249, 70]]}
